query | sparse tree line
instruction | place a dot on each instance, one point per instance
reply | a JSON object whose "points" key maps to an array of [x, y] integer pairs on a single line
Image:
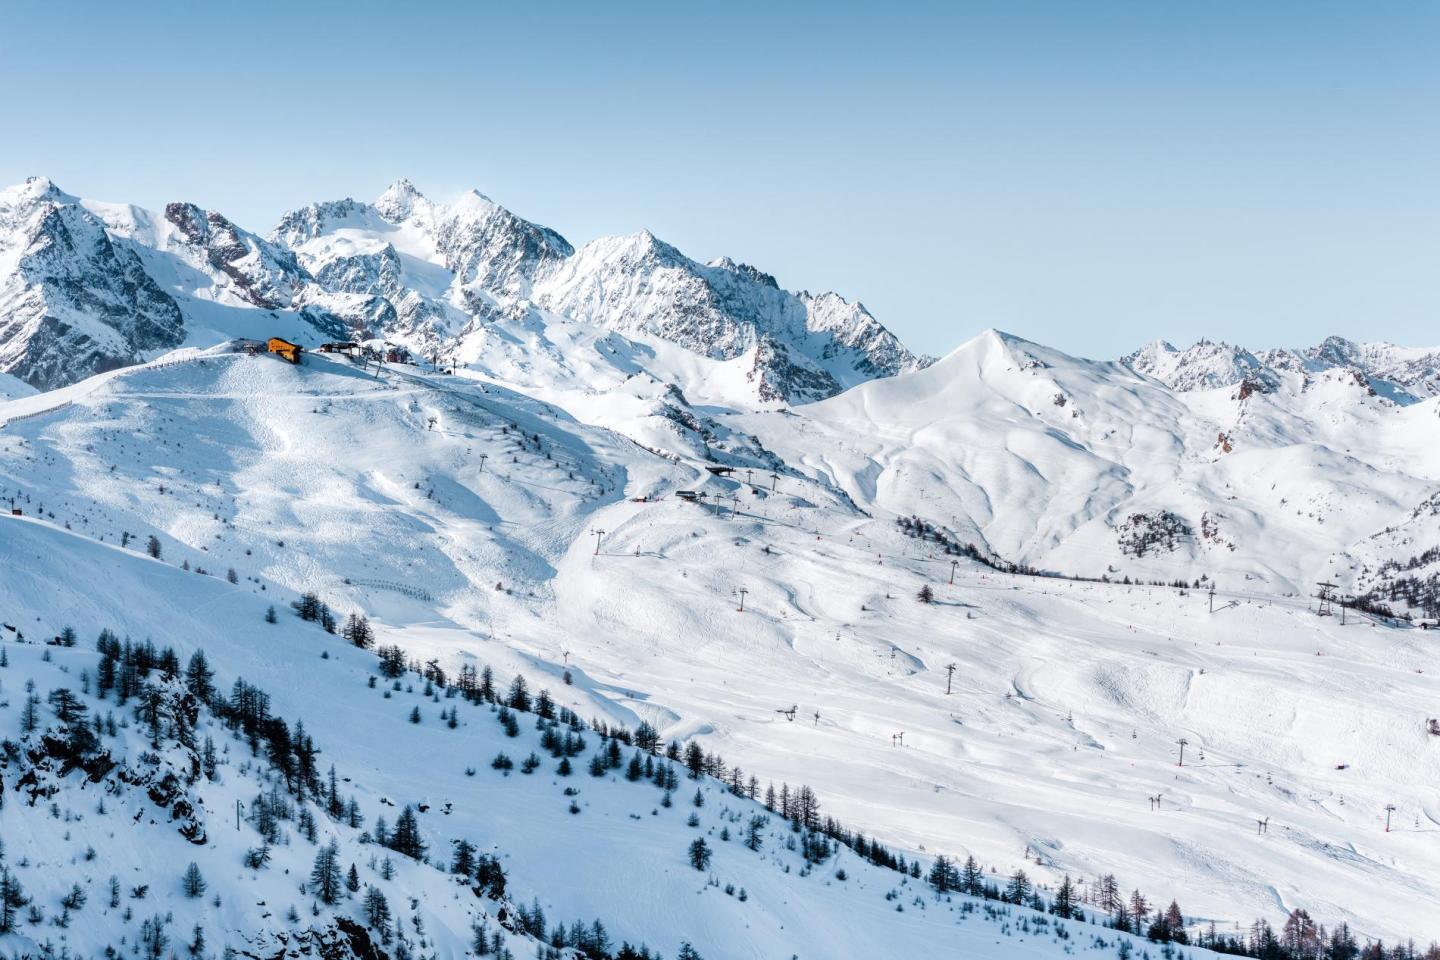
{"points": [[819, 836], [922, 529], [1300, 938]]}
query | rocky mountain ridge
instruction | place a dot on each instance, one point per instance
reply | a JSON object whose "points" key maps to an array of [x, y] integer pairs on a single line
{"points": [[90, 286]]}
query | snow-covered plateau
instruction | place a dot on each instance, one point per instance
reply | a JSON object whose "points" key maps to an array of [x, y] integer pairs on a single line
{"points": [[826, 649]]}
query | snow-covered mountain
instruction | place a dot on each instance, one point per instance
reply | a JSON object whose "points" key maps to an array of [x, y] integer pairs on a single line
{"points": [[121, 283], [974, 604], [73, 299], [1403, 374], [1040, 458]]}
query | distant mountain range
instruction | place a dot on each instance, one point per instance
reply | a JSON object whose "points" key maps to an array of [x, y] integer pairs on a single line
{"points": [[1404, 374], [88, 286]]}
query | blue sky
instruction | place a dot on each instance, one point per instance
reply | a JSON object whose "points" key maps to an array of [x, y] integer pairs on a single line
{"points": [[1091, 175]]}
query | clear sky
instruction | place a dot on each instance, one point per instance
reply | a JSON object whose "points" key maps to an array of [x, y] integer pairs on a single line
{"points": [[1088, 174]]}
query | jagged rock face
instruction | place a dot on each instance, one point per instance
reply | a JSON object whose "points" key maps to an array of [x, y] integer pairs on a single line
{"points": [[479, 241], [1418, 370], [308, 223], [486, 245], [261, 273], [355, 316], [805, 348], [642, 285], [377, 273], [875, 351], [73, 300], [1203, 366], [396, 310], [778, 378]]}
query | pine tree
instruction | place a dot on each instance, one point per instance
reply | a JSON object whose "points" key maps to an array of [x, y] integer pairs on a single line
{"points": [[1065, 899], [357, 631], [192, 882], [152, 546], [352, 880], [270, 616], [12, 898], [694, 759], [1017, 891], [30, 715], [1175, 923], [405, 839], [199, 678], [972, 879], [325, 877], [699, 854], [1139, 910], [519, 696], [377, 909], [463, 862], [753, 837]]}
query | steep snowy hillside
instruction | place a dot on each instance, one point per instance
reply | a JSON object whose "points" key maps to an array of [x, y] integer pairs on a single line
{"points": [[253, 787], [475, 523]]}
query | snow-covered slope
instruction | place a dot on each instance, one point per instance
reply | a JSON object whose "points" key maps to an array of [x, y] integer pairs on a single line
{"points": [[168, 779], [474, 522]]}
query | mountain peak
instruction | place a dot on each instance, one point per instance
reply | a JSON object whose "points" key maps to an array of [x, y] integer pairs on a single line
{"points": [[34, 190], [399, 200]]}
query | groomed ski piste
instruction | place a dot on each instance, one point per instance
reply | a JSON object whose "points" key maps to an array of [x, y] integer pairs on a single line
{"points": [[473, 523]]}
